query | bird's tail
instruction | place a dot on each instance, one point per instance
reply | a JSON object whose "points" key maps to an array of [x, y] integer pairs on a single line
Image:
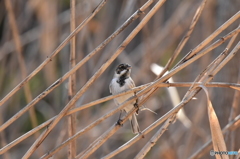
{"points": [[134, 124]]}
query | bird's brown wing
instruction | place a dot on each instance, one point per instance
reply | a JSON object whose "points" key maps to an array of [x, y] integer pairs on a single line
{"points": [[132, 84]]}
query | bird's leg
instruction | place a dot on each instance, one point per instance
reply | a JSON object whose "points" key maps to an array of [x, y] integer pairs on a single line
{"points": [[136, 106], [119, 122]]}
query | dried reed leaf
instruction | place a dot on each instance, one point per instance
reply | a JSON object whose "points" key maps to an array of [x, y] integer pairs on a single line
{"points": [[217, 136]]}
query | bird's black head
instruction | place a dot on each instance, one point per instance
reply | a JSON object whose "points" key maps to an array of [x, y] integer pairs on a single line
{"points": [[123, 69]]}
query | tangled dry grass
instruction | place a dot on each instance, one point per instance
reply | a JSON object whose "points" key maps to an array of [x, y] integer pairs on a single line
{"points": [[64, 88]]}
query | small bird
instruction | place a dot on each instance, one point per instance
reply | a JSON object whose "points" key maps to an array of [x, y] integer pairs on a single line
{"points": [[122, 82]]}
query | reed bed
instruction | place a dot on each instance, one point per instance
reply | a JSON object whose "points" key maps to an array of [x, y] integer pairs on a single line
{"points": [[57, 59]]}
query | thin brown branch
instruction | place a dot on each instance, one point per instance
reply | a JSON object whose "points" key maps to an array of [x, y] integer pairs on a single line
{"points": [[72, 84]]}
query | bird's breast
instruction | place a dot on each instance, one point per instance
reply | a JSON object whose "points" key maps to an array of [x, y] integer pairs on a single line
{"points": [[116, 88]]}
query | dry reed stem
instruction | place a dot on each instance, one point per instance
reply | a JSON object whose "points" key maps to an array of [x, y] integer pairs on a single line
{"points": [[184, 39], [87, 85], [55, 52], [72, 84], [208, 145], [189, 95], [143, 152], [73, 70], [232, 40], [209, 38], [154, 84]]}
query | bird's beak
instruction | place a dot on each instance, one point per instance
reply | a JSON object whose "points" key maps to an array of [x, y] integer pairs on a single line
{"points": [[129, 67]]}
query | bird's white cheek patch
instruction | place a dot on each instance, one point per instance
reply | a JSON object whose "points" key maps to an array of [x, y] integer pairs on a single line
{"points": [[122, 72]]}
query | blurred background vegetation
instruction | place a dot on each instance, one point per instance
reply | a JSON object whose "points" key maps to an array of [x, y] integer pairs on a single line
{"points": [[44, 24]]}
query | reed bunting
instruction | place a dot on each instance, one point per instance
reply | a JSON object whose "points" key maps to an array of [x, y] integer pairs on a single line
{"points": [[122, 82]]}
